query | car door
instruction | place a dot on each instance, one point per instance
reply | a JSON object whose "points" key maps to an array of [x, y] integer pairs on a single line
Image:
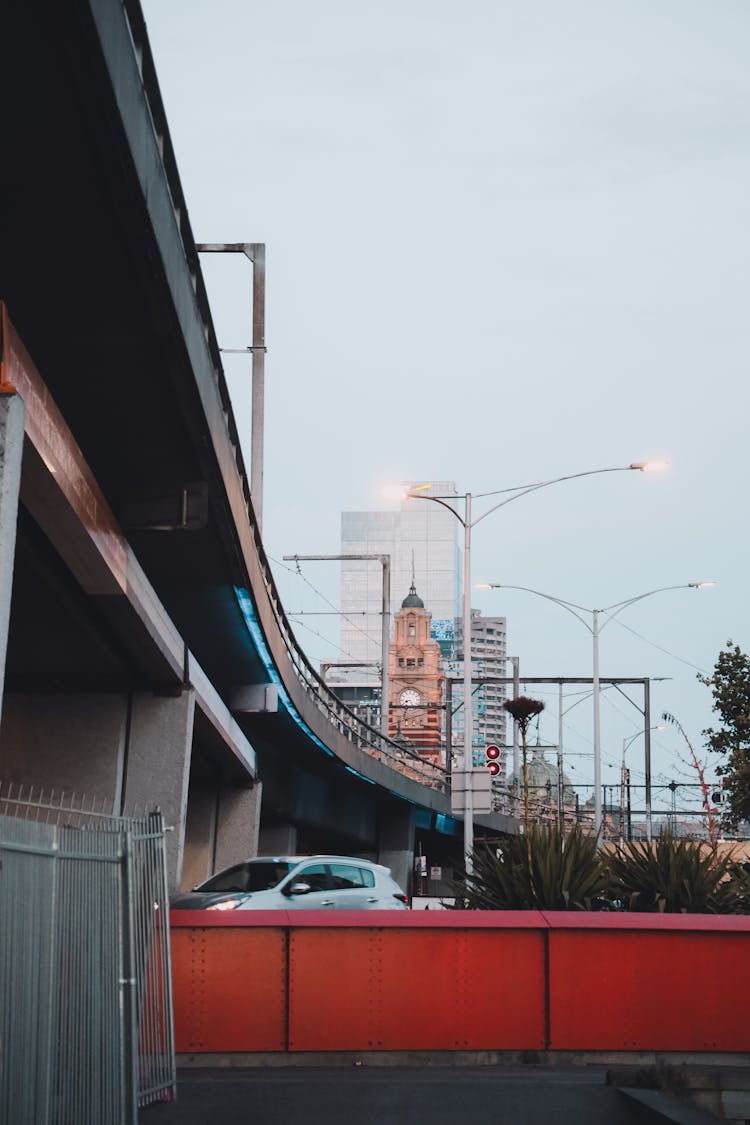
{"points": [[320, 897], [353, 887]]}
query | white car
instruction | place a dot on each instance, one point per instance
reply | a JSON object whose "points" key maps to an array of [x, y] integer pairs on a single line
{"points": [[313, 882]]}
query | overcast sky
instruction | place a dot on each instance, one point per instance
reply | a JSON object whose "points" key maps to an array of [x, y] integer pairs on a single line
{"points": [[506, 241]]}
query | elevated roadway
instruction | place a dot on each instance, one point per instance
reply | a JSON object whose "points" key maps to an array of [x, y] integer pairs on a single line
{"points": [[149, 658]]}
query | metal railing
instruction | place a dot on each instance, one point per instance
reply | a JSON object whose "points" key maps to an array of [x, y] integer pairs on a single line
{"points": [[618, 820], [403, 759], [86, 1032]]}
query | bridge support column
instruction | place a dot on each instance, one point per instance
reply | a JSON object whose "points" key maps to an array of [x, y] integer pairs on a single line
{"points": [[396, 844], [11, 451], [237, 824], [221, 829], [277, 839], [158, 765]]}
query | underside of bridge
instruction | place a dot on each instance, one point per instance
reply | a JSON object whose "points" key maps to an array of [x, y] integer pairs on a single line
{"points": [[126, 525]]}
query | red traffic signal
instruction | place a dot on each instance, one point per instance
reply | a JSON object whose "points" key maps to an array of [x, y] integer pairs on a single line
{"points": [[491, 755]]}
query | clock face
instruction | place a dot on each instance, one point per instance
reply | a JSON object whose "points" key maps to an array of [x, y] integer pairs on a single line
{"points": [[409, 698]]}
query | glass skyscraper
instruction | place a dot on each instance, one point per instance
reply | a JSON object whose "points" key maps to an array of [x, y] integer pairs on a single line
{"points": [[421, 538]]}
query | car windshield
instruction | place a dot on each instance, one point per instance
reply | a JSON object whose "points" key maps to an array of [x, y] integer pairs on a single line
{"points": [[259, 875]]}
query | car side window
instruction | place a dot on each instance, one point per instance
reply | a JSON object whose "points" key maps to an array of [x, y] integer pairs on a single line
{"points": [[316, 877], [345, 876]]}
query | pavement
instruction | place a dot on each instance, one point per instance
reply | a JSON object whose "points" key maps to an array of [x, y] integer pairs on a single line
{"points": [[419, 1095]]}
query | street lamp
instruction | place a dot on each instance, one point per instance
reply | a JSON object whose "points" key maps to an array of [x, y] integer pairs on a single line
{"points": [[595, 629], [626, 742], [466, 521], [256, 253]]}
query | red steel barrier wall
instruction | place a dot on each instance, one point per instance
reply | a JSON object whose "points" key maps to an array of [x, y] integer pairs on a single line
{"points": [[354, 981]]}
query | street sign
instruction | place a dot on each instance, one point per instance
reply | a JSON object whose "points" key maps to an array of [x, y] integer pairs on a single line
{"points": [[480, 783]]}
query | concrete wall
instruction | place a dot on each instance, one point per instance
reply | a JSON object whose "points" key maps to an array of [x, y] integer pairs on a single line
{"points": [[127, 753], [222, 828]]}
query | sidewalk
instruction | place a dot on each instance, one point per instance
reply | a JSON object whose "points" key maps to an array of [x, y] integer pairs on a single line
{"points": [[394, 1095]]}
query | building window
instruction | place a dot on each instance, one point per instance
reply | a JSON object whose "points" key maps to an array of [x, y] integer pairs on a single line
{"points": [[409, 663]]}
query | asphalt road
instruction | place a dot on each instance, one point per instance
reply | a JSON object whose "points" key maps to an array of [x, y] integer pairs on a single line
{"points": [[391, 1095]]}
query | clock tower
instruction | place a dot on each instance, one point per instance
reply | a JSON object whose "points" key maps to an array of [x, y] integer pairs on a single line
{"points": [[416, 678]]}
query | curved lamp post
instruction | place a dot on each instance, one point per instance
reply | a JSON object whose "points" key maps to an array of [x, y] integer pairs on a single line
{"points": [[595, 629], [468, 522]]}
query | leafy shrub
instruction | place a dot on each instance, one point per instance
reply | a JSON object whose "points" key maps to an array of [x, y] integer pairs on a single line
{"points": [[672, 876], [549, 870], [738, 884]]}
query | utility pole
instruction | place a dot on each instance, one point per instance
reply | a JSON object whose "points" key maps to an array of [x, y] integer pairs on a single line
{"points": [[385, 632], [256, 252]]}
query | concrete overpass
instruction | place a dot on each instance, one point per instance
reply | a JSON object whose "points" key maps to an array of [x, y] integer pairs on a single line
{"points": [[146, 656]]}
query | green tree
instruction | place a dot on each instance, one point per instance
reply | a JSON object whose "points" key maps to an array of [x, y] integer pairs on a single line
{"points": [[730, 684]]}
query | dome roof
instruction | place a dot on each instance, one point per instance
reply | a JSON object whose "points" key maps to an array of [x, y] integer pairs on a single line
{"points": [[412, 599], [542, 773]]}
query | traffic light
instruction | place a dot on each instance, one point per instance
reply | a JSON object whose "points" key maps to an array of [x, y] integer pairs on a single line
{"points": [[491, 755]]}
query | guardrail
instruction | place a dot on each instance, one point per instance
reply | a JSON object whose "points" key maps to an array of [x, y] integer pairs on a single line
{"points": [[296, 981], [367, 738]]}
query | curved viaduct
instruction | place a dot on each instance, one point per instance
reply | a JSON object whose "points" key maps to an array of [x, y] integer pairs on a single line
{"points": [[147, 658]]}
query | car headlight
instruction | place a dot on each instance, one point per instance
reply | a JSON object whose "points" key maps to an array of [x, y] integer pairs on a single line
{"points": [[227, 904]]}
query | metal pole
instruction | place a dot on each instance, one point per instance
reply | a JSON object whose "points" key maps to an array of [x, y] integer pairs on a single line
{"points": [[622, 794], [385, 628], [560, 794], [468, 714], [385, 646], [597, 731], [257, 254], [516, 732], [647, 751], [449, 726]]}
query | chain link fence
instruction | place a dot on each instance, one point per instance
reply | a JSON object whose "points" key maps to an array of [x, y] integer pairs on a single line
{"points": [[86, 1032]]}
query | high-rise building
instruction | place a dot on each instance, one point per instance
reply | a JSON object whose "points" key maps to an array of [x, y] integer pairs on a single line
{"points": [[421, 538], [416, 679], [488, 658]]}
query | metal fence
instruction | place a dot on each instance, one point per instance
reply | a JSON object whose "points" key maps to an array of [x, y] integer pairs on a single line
{"points": [[86, 1032]]}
